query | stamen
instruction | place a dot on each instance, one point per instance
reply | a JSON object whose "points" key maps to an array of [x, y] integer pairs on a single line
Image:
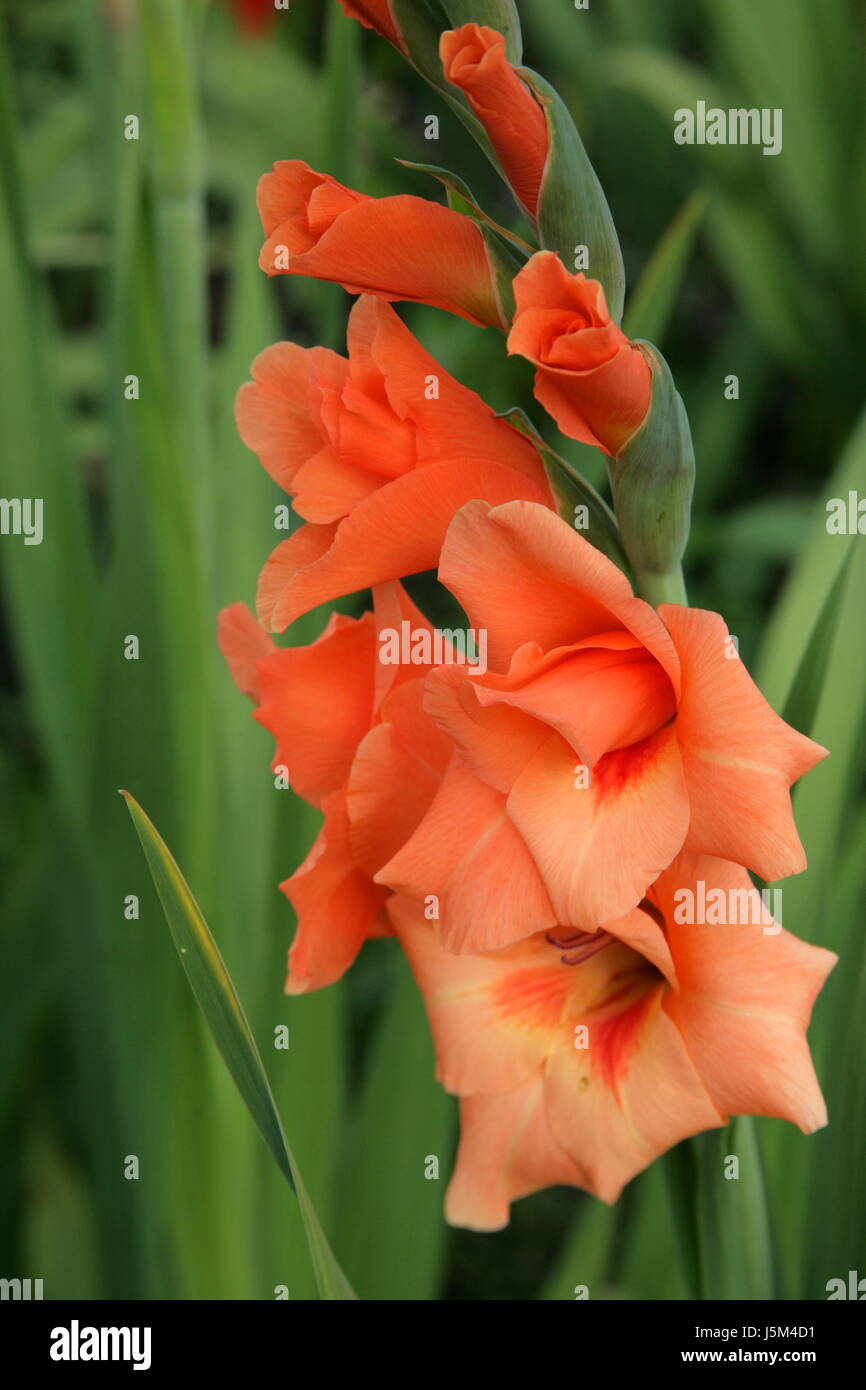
{"points": [[580, 946]]}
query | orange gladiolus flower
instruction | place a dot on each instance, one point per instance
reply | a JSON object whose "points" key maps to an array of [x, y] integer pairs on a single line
{"points": [[376, 15], [378, 452], [395, 248], [475, 61], [580, 1057], [604, 738], [593, 381], [357, 745]]}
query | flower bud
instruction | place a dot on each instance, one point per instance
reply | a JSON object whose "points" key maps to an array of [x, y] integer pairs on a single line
{"points": [[475, 60], [652, 479]]}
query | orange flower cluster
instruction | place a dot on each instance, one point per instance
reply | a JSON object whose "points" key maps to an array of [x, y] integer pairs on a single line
{"points": [[542, 829]]}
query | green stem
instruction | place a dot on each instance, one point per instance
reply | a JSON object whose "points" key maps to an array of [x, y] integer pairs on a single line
{"points": [[661, 588]]}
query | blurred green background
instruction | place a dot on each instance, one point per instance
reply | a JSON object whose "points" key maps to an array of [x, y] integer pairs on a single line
{"points": [[124, 257]]}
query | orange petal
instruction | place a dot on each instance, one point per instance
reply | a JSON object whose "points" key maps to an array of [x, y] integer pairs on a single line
{"points": [[506, 1151], [495, 741], [602, 694], [457, 854], [394, 777], [524, 575], [628, 1097], [338, 907], [243, 642], [450, 420], [396, 248], [317, 701], [396, 531], [640, 930], [599, 847], [278, 414], [739, 757], [283, 198], [602, 406], [327, 487], [481, 1047], [746, 995], [290, 558]]}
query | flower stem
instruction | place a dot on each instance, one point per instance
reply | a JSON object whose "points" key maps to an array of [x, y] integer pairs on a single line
{"points": [[661, 588]]}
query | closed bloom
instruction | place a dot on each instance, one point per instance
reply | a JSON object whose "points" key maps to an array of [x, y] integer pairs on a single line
{"points": [[593, 381], [603, 739], [357, 745], [378, 16], [580, 1057], [395, 248], [475, 61], [378, 452]]}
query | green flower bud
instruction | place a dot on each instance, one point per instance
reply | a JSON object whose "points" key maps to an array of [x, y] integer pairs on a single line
{"points": [[652, 480]]}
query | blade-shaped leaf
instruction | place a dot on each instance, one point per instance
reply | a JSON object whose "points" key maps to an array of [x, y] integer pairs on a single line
{"points": [[218, 1000], [652, 303], [404, 1119]]}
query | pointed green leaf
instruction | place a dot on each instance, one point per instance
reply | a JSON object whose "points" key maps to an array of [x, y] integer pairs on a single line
{"points": [[652, 303], [218, 1000], [733, 1233], [819, 565], [403, 1119], [586, 1259]]}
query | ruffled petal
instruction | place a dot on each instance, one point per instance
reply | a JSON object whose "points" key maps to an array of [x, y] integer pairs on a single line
{"points": [[338, 906], [739, 757], [457, 854], [397, 531], [746, 993], [599, 847]]}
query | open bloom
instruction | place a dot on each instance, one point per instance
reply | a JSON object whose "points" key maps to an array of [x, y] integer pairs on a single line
{"points": [[395, 248], [378, 16], [353, 736], [378, 451], [603, 739], [580, 1057], [475, 61], [593, 381]]}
